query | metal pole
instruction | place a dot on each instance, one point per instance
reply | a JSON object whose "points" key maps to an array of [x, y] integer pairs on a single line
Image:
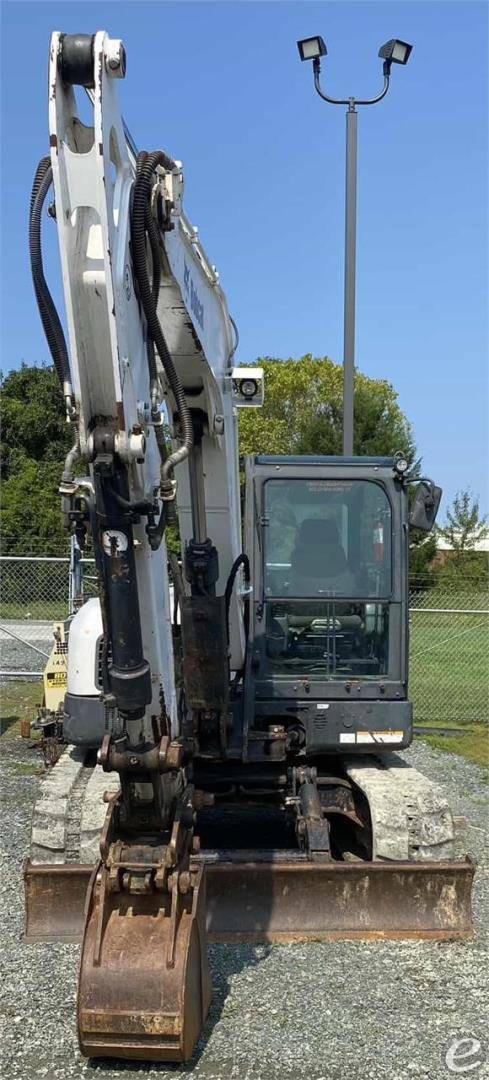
{"points": [[350, 262]]}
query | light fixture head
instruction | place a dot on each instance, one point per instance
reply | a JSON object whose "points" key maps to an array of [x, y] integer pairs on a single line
{"points": [[311, 48], [395, 51], [401, 463], [247, 387]]}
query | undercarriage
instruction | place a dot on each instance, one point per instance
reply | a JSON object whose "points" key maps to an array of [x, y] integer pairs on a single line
{"points": [[336, 850]]}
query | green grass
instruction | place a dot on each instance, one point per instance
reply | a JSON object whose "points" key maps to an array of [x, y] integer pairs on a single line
{"points": [[455, 725], [474, 746], [24, 768], [449, 668], [18, 701], [34, 609]]}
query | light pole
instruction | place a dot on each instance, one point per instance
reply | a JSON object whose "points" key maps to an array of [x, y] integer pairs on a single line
{"points": [[393, 52]]}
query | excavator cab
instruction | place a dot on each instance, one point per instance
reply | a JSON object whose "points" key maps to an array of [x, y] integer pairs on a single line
{"points": [[328, 543]]}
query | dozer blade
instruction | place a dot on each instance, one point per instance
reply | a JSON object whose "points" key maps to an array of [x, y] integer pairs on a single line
{"points": [[144, 985], [287, 900]]}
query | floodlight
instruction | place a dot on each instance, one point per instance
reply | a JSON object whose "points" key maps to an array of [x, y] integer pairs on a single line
{"points": [[247, 387], [395, 51], [311, 48], [401, 463]]}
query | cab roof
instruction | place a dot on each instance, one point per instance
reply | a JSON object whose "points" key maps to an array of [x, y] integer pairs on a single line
{"points": [[324, 459]]}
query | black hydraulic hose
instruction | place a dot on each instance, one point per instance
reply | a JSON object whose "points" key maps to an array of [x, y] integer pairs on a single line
{"points": [[137, 506], [152, 231], [139, 227], [49, 316], [241, 560]]}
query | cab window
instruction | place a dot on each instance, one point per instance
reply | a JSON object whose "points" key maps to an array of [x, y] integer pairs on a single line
{"points": [[327, 538]]}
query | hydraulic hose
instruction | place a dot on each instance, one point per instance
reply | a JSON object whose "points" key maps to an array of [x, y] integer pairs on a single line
{"points": [[136, 506], [140, 228], [152, 232], [241, 560], [49, 316]]}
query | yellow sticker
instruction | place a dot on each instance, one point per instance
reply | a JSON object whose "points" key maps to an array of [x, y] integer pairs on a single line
{"points": [[57, 678]]}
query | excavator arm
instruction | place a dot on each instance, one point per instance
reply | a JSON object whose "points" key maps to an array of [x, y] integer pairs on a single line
{"points": [[131, 265]]}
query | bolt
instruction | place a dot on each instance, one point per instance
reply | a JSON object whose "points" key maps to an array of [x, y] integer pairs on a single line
{"points": [[115, 58], [184, 881]]}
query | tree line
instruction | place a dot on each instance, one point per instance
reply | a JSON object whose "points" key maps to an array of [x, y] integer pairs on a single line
{"points": [[302, 414]]}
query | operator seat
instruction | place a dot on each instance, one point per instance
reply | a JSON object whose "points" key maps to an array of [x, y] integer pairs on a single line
{"points": [[318, 561]]}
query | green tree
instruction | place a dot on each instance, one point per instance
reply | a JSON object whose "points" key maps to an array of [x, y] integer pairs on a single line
{"points": [[34, 440], [302, 413], [32, 417], [465, 526], [464, 529]]}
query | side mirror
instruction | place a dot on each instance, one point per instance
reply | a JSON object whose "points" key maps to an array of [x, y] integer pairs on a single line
{"points": [[425, 506]]}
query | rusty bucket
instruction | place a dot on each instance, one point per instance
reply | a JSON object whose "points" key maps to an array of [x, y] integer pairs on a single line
{"points": [[144, 984]]}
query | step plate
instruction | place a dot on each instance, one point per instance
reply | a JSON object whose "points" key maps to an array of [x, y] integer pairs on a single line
{"points": [[285, 901]]}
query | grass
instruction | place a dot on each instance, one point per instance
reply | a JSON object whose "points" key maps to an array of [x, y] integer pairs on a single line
{"points": [[449, 668], [459, 725], [34, 609], [18, 701], [24, 768], [473, 746]]}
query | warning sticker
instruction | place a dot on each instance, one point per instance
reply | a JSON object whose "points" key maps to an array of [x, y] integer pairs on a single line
{"points": [[362, 737], [114, 541], [56, 678]]}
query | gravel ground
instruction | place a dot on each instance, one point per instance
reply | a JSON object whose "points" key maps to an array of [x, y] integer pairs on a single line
{"points": [[321, 1011]]}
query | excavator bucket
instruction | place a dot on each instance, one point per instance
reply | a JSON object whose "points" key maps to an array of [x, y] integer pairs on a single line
{"points": [[144, 985]]}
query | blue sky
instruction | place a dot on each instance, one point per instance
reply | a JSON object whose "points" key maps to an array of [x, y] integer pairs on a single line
{"points": [[221, 87]]}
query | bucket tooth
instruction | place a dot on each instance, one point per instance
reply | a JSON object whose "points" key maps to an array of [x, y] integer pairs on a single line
{"points": [[144, 986]]}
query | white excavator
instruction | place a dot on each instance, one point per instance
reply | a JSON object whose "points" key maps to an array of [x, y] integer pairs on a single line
{"points": [[231, 770]]}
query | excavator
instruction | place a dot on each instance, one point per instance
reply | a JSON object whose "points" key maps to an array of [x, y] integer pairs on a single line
{"points": [[231, 770]]}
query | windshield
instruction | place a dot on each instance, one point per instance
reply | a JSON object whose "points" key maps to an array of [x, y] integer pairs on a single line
{"points": [[327, 538]]}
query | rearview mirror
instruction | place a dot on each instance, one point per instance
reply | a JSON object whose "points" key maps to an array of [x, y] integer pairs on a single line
{"points": [[425, 506]]}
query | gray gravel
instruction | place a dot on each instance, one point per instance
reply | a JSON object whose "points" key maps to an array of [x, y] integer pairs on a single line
{"points": [[343, 1009]]}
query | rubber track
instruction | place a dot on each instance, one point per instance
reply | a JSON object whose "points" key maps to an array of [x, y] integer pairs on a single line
{"points": [[51, 810], [70, 811], [411, 818], [75, 805]]}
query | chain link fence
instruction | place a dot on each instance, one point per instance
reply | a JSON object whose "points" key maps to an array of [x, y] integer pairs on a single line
{"points": [[449, 653], [35, 592], [449, 633]]}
